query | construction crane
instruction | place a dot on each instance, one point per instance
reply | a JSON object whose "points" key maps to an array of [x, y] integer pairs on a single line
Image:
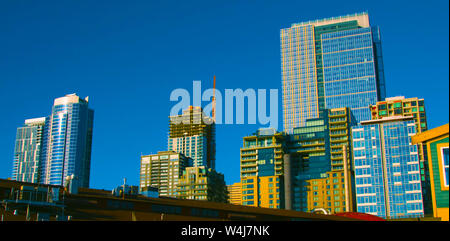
{"points": [[214, 100]]}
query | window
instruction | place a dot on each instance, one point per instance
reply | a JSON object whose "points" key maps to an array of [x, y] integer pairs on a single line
{"points": [[444, 160]]}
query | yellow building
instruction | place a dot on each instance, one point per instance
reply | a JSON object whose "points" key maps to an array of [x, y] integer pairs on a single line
{"points": [[235, 193], [262, 191], [340, 121], [201, 183], [330, 193], [436, 141], [262, 169]]}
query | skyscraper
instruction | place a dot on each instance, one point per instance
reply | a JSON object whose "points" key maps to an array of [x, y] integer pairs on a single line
{"points": [[330, 63], [387, 171], [309, 158], [318, 163], [67, 142], [193, 134], [415, 107], [27, 152]]}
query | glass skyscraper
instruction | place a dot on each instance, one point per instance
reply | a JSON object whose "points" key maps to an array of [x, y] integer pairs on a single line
{"points": [[387, 171], [67, 142], [27, 151], [330, 63]]}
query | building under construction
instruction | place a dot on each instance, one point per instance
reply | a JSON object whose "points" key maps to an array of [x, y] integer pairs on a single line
{"points": [[193, 134]]}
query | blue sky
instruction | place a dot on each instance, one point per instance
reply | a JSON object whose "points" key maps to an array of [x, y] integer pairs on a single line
{"points": [[128, 56]]}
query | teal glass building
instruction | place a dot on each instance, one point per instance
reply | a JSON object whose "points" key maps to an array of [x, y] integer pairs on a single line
{"points": [[309, 150], [330, 63], [387, 171]]}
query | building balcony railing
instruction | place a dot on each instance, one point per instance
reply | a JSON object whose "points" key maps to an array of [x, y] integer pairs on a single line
{"points": [[343, 133], [311, 150]]}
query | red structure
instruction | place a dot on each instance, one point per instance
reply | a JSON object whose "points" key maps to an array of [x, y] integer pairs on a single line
{"points": [[360, 216]]}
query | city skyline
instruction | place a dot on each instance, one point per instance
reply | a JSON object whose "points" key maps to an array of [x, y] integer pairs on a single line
{"points": [[227, 162]]}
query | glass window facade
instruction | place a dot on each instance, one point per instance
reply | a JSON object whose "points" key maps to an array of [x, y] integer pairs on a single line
{"points": [[330, 64], [387, 176], [67, 143], [350, 76], [299, 82]]}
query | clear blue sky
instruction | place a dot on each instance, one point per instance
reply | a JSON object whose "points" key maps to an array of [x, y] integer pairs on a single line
{"points": [[129, 55]]}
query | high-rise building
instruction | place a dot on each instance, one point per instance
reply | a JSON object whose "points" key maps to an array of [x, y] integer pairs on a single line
{"points": [[436, 142], [235, 193], [387, 171], [163, 171], [340, 122], [193, 134], [262, 169], [67, 142], [330, 63], [306, 170], [317, 153], [202, 183], [415, 107], [27, 152], [308, 158]]}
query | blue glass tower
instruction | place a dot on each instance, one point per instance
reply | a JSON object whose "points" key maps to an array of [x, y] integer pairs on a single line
{"points": [[387, 171], [330, 63], [67, 142], [350, 72]]}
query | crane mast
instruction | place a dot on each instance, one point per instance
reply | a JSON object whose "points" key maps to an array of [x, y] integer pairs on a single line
{"points": [[214, 100]]}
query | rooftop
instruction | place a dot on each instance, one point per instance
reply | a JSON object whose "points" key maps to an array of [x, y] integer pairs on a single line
{"points": [[362, 18], [387, 119]]}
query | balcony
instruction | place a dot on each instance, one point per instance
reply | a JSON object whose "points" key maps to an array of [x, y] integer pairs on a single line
{"points": [[338, 133], [311, 150]]}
